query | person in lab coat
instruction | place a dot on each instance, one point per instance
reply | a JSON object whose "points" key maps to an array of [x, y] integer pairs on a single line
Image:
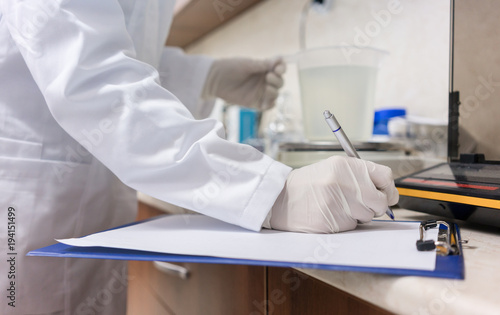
{"points": [[94, 107]]}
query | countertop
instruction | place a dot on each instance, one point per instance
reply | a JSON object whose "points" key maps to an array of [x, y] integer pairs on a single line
{"points": [[477, 294]]}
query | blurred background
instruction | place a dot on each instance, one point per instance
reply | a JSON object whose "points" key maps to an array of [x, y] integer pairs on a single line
{"points": [[416, 34]]}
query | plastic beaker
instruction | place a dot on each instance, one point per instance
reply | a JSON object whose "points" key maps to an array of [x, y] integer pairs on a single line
{"points": [[341, 79]]}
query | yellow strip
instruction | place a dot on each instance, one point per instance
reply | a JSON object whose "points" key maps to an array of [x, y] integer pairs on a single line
{"points": [[475, 201]]}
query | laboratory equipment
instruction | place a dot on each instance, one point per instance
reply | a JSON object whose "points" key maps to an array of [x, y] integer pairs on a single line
{"points": [[382, 117], [467, 187], [345, 77]]}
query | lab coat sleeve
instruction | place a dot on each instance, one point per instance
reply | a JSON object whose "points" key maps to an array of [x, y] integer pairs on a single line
{"points": [[82, 59], [185, 75]]}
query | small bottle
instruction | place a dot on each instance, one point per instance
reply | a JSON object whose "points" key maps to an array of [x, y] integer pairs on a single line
{"points": [[281, 129]]}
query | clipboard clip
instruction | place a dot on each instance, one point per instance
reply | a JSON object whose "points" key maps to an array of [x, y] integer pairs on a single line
{"points": [[448, 240]]}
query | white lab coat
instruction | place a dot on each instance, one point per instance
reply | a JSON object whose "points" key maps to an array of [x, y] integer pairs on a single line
{"points": [[79, 116]]}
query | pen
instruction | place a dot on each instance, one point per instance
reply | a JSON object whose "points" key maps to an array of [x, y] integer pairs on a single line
{"points": [[345, 143]]}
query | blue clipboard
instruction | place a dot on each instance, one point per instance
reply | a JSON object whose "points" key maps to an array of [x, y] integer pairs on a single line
{"points": [[450, 266]]}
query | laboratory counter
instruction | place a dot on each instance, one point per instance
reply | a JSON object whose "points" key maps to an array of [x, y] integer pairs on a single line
{"points": [[477, 294]]}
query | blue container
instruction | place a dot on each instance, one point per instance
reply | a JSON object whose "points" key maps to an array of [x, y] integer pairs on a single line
{"points": [[382, 117], [248, 124]]}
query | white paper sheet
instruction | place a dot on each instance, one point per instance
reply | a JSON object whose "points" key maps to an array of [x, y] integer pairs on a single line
{"points": [[379, 244]]}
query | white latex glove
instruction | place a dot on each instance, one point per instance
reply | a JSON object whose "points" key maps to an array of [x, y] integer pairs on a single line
{"points": [[333, 195], [246, 82]]}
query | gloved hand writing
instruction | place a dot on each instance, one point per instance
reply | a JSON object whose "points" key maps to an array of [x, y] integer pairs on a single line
{"points": [[246, 82], [333, 195]]}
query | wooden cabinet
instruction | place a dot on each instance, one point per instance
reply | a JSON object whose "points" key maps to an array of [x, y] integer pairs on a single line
{"points": [[234, 289], [291, 292], [208, 289]]}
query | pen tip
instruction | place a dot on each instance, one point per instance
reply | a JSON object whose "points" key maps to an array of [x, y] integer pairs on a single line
{"points": [[390, 213]]}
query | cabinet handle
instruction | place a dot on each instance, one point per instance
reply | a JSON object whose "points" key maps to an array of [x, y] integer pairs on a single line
{"points": [[171, 269]]}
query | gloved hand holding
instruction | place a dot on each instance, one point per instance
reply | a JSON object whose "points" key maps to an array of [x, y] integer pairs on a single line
{"points": [[246, 82], [333, 195]]}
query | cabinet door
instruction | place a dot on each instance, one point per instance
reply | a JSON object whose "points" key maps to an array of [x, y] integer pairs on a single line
{"points": [[141, 300], [293, 292], [208, 289]]}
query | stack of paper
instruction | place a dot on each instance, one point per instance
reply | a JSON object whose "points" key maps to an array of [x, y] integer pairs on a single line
{"points": [[379, 244]]}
